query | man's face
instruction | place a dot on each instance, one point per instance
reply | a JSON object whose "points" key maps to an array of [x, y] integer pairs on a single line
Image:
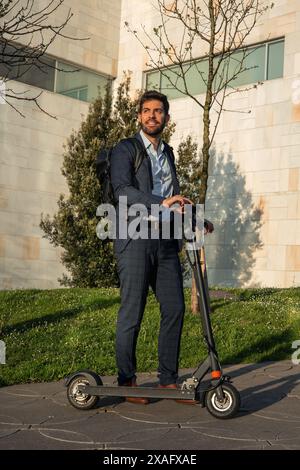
{"points": [[153, 117]]}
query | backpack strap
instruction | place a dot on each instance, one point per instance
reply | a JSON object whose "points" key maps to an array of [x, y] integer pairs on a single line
{"points": [[169, 150], [139, 152]]}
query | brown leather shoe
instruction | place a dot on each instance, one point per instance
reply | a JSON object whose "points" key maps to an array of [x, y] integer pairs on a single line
{"points": [[173, 386], [136, 400], [184, 401]]}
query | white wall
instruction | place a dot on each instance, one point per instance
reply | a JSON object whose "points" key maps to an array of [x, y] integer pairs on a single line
{"points": [[31, 148], [254, 185]]}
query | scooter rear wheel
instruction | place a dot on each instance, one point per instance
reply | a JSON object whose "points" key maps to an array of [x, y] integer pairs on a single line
{"points": [[228, 407], [79, 399]]}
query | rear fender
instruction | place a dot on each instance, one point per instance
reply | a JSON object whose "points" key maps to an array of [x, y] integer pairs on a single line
{"points": [[93, 378]]}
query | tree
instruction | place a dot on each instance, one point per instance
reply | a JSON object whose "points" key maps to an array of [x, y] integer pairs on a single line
{"points": [[89, 260], [189, 174], [26, 32], [220, 29], [187, 166]]}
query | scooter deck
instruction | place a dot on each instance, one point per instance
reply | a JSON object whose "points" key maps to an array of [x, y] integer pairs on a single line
{"points": [[145, 392]]}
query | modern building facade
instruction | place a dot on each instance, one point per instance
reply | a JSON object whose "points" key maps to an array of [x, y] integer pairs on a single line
{"points": [[254, 185], [31, 148]]}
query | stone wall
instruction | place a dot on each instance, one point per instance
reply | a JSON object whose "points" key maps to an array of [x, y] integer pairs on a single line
{"points": [[254, 185], [31, 148]]}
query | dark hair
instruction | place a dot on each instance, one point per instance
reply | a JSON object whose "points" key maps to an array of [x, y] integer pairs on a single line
{"points": [[154, 95]]}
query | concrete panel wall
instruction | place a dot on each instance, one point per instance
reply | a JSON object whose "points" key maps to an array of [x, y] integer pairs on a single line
{"points": [[31, 148], [254, 184]]}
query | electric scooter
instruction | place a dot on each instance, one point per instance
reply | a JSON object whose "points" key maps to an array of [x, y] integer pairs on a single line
{"points": [[217, 394]]}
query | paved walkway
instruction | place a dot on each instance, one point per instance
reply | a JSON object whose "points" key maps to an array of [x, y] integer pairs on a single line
{"points": [[38, 416]]}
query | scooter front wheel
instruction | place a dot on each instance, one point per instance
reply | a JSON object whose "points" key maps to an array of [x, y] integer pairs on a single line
{"points": [[78, 398], [226, 408]]}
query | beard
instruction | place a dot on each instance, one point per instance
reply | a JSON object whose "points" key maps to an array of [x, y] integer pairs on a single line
{"points": [[154, 131]]}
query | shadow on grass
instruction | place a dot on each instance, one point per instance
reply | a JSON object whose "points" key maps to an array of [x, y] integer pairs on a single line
{"points": [[262, 346], [216, 304], [280, 340], [254, 294], [56, 317]]}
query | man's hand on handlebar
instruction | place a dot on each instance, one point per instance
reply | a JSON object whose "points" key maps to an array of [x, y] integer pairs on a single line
{"points": [[180, 201], [208, 226], [177, 199]]}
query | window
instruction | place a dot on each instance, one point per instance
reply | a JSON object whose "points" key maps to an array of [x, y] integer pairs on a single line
{"points": [[17, 66], [253, 64], [42, 77], [262, 62], [193, 74], [77, 93], [275, 59], [52, 74], [78, 83]]}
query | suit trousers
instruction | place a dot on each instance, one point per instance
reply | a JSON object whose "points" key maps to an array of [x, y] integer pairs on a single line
{"points": [[141, 264]]}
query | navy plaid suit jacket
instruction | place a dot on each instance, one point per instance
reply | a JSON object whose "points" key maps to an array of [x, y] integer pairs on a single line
{"points": [[137, 187]]}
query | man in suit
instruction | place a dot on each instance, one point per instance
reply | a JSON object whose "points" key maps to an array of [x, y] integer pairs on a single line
{"points": [[148, 262]]}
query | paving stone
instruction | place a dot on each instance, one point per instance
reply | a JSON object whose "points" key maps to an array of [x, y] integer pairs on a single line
{"points": [[39, 416]]}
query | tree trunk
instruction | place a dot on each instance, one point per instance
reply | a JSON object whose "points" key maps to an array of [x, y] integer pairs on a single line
{"points": [[206, 144], [194, 299]]}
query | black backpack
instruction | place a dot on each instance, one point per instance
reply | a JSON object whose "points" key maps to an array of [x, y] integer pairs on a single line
{"points": [[103, 167]]}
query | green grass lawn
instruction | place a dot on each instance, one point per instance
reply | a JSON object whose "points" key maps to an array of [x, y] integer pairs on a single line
{"points": [[49, 334]]}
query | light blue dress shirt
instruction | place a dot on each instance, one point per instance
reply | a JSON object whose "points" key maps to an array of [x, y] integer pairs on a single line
{"points": [[161, 172]]}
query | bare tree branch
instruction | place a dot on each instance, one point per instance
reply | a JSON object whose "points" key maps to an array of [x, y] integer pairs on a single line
{"points": [[26, 33], [222, 27]]}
